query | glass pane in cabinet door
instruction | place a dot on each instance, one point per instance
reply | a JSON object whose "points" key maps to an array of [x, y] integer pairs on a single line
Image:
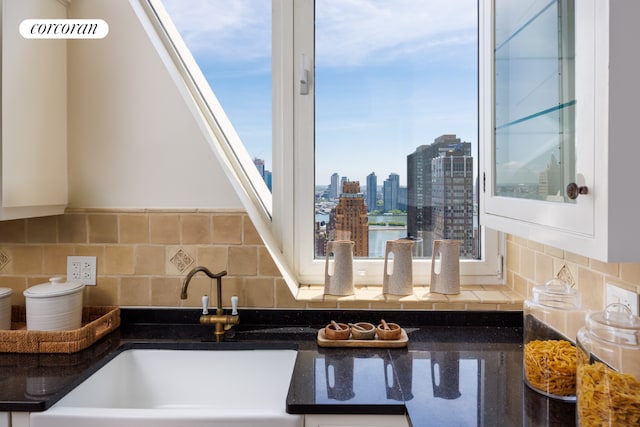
{"points": [[534, 99]]}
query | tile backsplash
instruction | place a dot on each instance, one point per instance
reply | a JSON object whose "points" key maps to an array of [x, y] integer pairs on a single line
{"points": [[530, 263], [143, 256]]}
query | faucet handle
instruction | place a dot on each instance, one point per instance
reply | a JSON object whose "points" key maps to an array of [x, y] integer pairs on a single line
{"points": [[234, 305], [205, 304]]}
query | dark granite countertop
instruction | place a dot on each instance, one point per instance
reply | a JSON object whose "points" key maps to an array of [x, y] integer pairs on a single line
{"points": [[459, 368]]}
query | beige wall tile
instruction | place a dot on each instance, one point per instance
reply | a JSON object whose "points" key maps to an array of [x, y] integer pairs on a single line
{"points": [[227, 229], [119, 259], [213, 257], [527, 263], [538, 247], [243, 260], [26, 260], [150, 260], [591, 285], [266, 266], [611, 268], [578, 259], [164, 229], [554, 252], [544, 268], [630, 273], [55, 259], [42, 230], [165, 291], [135, 291], [259, 292], [134, 228], [103, 228], [72, 228], [196, 229], [106, 292], [13, 231], [513, 256], [250, 235]]}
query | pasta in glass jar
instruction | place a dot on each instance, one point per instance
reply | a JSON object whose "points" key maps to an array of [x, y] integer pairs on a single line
{"points": [[552, 318], [608, 371]]}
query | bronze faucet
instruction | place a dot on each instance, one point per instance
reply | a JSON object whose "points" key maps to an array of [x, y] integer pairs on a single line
{"points": [[223, 322]]}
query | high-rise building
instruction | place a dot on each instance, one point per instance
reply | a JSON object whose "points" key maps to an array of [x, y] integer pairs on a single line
{"points": [[265, 174], [419, 186], [372, 192], [333, 187], [260, 165], [452, 198], [402, 199], [390, 192], [348, 221]]}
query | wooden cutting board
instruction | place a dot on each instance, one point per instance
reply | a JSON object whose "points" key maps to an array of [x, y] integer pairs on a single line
{"points": [[323, 341]]}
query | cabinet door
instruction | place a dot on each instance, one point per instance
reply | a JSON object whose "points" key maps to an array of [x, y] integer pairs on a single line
{"points": [[34, 115], [537, 79]]}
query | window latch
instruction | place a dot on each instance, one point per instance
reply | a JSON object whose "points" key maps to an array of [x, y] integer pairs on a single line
{"points": [[304, 77]]}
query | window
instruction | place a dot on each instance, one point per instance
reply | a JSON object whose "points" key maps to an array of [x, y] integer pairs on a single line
{"points": [[319, 138]]}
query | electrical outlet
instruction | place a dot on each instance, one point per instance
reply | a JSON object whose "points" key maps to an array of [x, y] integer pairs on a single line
{"points": [[623, 296], [82, 269]]}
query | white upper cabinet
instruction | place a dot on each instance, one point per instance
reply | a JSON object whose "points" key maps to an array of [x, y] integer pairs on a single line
{"points": [[33, 172], [559, 91]]}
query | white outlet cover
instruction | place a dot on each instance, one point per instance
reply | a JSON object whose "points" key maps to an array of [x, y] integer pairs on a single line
{"points": [[82, 269], [616, 294]]}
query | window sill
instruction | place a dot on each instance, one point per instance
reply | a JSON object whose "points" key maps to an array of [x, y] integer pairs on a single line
{"points": [[471, 297]]}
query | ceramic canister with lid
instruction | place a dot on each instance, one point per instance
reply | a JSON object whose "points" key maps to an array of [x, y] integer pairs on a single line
{"points": [[608, 375], [552, 317], [5, 308], [54, 306]]}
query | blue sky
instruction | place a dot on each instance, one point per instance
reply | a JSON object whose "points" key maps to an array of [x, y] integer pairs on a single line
{"points": [[390, 76]]}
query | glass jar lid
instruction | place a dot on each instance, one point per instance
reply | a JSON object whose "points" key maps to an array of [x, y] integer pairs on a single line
{"points": [[557, 294], [616, 324], [5, 292]]}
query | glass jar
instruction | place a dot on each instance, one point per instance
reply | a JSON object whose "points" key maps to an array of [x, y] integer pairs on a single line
{"points": [[552, 318], [608, 377]]}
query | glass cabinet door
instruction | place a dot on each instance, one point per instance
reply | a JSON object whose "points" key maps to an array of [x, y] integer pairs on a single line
{"points": [[534, 95]]}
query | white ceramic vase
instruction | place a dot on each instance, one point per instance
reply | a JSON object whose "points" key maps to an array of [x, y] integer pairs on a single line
{"points": [[400, 281], [340, 281], [445, 267]]}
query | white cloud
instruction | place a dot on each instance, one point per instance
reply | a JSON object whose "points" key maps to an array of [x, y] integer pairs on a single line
{"points": [[224, 28], [353, 31]]}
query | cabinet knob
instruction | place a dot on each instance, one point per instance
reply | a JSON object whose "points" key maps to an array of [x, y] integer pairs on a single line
{"points": [[573, 190]]}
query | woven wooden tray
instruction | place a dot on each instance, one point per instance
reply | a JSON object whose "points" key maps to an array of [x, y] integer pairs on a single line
{"points": [[97, 321], [323, 341]]}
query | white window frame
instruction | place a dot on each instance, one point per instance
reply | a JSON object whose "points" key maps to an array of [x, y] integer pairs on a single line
{"points": [[294, 148], [285, 219]]}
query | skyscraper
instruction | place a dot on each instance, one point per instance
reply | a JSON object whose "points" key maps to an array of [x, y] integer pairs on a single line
{"points": [[265, 174], [390, 192], [419, 186], [372, 192], [452, 198], [333, 190], [348, 221]]}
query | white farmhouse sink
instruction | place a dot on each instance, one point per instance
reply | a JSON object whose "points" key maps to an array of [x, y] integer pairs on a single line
{"points": [[142, 387]]}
